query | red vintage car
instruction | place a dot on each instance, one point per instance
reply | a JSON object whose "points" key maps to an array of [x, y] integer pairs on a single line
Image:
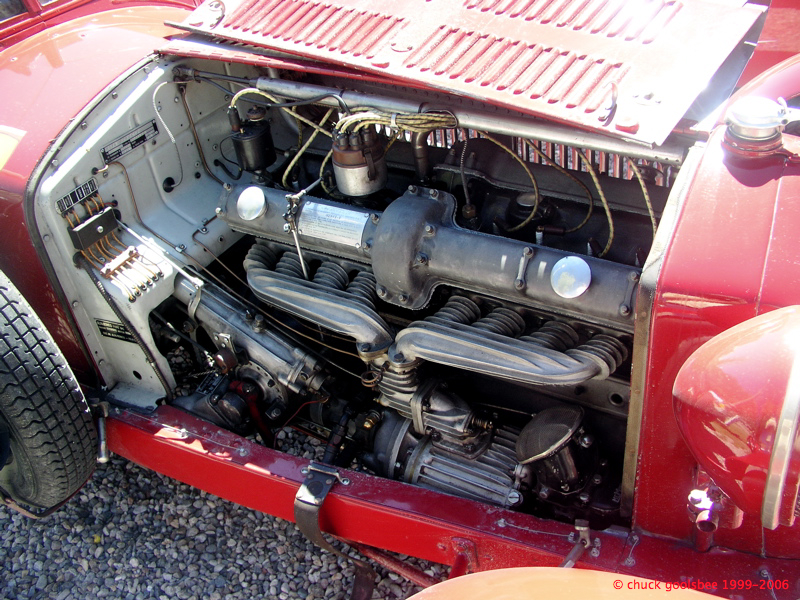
{"points": [[525, 267]]}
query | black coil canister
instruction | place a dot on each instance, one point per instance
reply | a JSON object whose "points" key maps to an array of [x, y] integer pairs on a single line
{"points": [[253, 144]]}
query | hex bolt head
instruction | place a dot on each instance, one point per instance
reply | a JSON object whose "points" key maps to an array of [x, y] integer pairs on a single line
{"points": [[286, 227], [403, 298], [434, 193], [421, 259], [519, 284], [412, 189], [430, 229], [375, 218], [382, 292], [624, 310], [527, 251]]}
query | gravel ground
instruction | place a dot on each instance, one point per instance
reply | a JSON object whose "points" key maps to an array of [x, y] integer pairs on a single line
{"points": [[132, 534]]}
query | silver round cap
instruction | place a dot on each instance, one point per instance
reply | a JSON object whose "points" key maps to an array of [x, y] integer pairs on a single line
{"points": [[756, 118], [251, 203], [570, 277]]}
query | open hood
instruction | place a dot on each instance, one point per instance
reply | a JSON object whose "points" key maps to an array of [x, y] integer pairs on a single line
{"points": [[628, 68]]}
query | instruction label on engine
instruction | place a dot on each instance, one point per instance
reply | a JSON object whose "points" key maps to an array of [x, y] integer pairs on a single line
{"points": [[331, 223], [111, 329]]}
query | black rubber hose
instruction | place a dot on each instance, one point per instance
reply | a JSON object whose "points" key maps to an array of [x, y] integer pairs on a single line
{"points": [[84, 264]]}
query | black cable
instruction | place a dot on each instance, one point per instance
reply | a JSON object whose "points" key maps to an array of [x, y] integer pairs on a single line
{"points": [[222, 152], [84, 264], [224, 167]]}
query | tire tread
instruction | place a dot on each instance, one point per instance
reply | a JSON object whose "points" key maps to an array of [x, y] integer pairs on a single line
{"points": [[43, 405]]}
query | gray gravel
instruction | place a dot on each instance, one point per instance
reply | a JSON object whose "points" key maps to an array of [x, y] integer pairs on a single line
{"points": [[132, 534]]}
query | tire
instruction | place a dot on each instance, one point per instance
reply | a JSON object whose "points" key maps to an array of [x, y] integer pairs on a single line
{"points": [[53, 440]]}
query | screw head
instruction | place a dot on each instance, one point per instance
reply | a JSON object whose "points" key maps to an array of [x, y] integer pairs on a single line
{"points": [[434, 193], [412, 189], [527, 251], [624, 310], [382, 291], [403, 298], [286, 227], [430, 230]]}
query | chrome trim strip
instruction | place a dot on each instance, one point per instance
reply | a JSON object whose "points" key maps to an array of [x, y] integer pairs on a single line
{"points": [[645, 299], [785, 433]]}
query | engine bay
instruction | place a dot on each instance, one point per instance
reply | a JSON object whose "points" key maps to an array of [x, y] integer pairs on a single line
{"points": [[441, 291]]}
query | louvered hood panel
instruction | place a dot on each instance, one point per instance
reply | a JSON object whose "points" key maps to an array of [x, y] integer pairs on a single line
{"points": [[629, 68]]}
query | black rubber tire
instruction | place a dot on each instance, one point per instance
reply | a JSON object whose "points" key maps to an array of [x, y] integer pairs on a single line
{"points": [[53, 437]]}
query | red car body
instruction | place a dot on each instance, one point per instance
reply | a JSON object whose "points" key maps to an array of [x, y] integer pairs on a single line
{"points": [[728, 254]]}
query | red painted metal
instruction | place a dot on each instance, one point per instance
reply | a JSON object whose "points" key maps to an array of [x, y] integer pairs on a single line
{"points": [[407, 519], [38, 18], [46, 80], [727, 397], [731, 258], [778, 40], [563, 60]]}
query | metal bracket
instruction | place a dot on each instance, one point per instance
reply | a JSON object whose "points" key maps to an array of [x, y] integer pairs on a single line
{"points": [[194, 303], [527, 255], [319, 480], [466, 560], [584, 541]]}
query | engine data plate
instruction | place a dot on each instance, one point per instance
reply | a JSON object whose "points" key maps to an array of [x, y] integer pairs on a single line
{"points": [[325, 222]]}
